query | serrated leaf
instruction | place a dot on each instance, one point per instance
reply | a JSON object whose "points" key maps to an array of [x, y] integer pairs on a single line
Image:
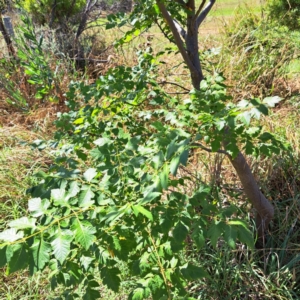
{"points": [[138, 294], [86, 261], [38, 207], [17, 257], [89, 174], [198, 238], [102, 141], [110, 278], [73, 190], [59, 197], [149, 197], [85, 197], [215, 233], [271, 101], [191, 272], [184, 157], [84, 233], [171, 149], [41, 253], [91, 294], [174, 165], [158, 160], [22, 223], [11, 235], [180, 232], [164, 177], [140, 209], [61, 246]]}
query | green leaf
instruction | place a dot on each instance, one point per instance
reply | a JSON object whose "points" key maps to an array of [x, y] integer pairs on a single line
{"points": [[102, 141], [180, 232], [41, 253], [86, 261], [184, 157], [158, 160], [138, 294], [198, 238], [164, 177], [110, 278], [59, 198], [73, 190], [140, 209], [85, 197], [22, 223], [149, 197], [215, 232], [238, 223], [38, 207], [17, 257], [89, 174], [191, 272], [84, 233], [11, 235], [91, 294], [245, 236], [3, 260], [230, 236], [61, 246], [271, 101], [174, 165], [171, 149]]}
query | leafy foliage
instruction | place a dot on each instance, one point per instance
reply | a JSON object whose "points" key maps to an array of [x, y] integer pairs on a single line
{"points": [[115, 191], [43, 11], [285, 12]]}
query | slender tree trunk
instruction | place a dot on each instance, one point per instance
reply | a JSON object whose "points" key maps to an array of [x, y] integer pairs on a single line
{"points": [[8, 41], [192, 47], [190, 54]]}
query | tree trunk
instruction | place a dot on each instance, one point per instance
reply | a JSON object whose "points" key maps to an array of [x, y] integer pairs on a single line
{"points": [[265, 210], [190, 54], [8, 41]]}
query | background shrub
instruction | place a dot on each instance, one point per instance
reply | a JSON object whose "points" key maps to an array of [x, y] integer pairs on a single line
{"points": [[285, 12]]}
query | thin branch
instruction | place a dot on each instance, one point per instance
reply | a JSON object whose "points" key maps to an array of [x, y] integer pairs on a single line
{"points": [[209, 150], [205, 12], [200, 8], [163, 32], [176, 35], [174, 83]]}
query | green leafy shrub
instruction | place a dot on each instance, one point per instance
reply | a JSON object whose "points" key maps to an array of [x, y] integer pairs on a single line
{"points": [[285, 12], [115, 193], [42, 11]]}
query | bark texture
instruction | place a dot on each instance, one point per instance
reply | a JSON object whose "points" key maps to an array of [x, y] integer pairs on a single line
{"points": [[8, 41]]}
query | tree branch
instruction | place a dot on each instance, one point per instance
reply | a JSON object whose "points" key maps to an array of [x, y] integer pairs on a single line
{"points": [[200, 8], [180, 30], [176, 84], [205, 12], [176, 35], [209, 150]]}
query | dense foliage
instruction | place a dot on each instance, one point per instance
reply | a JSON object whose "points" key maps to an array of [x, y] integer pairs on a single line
{"points": [[116, 196], [46, 11], [285, 12]]}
